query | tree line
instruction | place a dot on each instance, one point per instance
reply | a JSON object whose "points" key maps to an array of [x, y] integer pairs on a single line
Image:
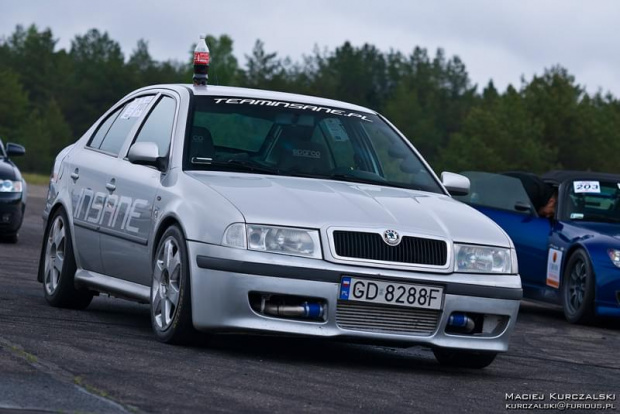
{"points": [[49, 97]]}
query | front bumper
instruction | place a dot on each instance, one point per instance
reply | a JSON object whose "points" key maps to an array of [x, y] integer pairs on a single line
{"points": [[11, 212], [222, 279], [607, 301]]}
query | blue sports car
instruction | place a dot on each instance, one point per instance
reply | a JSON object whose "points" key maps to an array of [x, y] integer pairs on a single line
{"points": [[571, 256]]}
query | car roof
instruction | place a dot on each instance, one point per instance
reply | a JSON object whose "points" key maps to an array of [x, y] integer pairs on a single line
{"points": [[559, 176], [233, 92]]}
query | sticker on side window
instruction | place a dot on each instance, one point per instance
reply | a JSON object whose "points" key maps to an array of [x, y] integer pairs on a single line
{"points": [[129, 110], [136, 107], [587, 187], [554, 263]]}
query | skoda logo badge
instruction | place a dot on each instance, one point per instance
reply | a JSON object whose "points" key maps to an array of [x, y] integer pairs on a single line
{"points": [[391, 237]]}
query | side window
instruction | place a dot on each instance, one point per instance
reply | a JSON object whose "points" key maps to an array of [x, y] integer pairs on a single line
{"points": [[158, 126], [122, 125], [97, 139], [495, 190]]}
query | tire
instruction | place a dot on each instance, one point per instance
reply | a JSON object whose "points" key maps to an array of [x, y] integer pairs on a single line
{"points": [[10, 238], [578, 289], [57, 266], [171, 306], [464, 359]]}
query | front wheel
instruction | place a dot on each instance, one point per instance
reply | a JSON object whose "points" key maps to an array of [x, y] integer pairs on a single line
{"points": [[171, 308], [578, 289], [10, 238], [58, 267], [464, 358]]}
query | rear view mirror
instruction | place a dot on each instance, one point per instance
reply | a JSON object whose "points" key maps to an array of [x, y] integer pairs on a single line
{"points": [[145, 153], [456, 184], [14, 150]]}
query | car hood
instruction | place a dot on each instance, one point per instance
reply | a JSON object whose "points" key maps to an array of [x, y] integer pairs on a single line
{"points": [[7, 170], [317, 203]]}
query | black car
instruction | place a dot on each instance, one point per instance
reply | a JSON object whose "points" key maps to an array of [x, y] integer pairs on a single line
{"points": [[12, 193]]}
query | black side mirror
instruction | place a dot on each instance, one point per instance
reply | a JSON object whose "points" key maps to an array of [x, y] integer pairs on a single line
{"points": [[15, 150], [523, 206]]}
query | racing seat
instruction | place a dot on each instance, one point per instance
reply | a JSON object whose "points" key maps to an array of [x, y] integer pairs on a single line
{"points": [[201, 144], [295, 151]]}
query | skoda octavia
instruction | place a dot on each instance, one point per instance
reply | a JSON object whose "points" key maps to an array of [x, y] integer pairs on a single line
{"points": [[229, 209]]}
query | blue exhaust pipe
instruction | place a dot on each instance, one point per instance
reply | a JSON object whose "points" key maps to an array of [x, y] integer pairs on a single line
{"points": [[460, 320]]}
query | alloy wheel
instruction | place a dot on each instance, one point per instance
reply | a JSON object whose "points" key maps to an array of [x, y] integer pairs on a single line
{"points": [[166, 283], [577, 286], [54, 255]]}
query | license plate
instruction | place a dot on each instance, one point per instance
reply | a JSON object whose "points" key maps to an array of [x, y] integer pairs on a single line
{"points": [[391, 293]]}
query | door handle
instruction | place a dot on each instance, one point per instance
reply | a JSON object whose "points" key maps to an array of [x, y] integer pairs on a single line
{"points": [[75, 174], [111, 186]]}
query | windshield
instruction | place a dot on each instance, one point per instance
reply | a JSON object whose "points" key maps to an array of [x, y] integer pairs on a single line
{"points": [[2, 153], [593, 201], [293, 139]]}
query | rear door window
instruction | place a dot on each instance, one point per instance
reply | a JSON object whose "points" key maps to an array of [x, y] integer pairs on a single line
{"points": [[120, 125], [97, 139]]}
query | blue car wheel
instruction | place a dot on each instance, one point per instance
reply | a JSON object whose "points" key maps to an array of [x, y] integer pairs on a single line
{"points": [[578, 289]]}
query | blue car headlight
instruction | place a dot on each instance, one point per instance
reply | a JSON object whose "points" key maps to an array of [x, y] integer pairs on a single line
{"points": [[614, 255], [483, 259], [8, 186]]}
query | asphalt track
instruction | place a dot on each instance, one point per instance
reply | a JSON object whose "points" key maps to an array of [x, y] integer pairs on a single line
{"points": [[105, 360]]}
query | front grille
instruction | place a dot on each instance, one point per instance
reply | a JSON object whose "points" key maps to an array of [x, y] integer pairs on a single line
{"points": [[370, 246], [370, 317]]}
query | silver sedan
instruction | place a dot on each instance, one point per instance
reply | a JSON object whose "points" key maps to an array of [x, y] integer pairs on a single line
{"points": [[229, 209]]}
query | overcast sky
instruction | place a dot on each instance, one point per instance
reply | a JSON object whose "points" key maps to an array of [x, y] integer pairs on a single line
{"points": [[499, 40]]}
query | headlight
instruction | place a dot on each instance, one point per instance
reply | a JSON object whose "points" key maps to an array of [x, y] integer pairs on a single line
{"points": [[614, 255], [8, 186], [272, 239], [482, 259], [234, 236]]}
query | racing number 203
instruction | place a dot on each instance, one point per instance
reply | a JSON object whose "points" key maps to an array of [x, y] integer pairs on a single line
{"points": [[401, 294]]}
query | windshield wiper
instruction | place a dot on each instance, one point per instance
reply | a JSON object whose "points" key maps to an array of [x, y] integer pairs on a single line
{"points": [[352, 179], [236, 164], [361, 180], [599, 218]]}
